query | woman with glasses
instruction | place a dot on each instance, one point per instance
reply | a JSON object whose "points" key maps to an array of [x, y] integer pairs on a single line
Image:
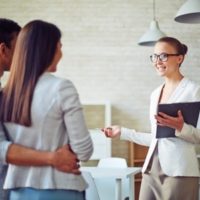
{"points": [[170, 171]]}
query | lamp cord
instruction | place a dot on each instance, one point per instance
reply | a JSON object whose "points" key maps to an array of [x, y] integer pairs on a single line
{"points": [[154, 10]]}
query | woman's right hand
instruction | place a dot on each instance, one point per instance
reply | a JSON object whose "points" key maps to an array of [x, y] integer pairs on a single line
{"points": [[112, 131]]}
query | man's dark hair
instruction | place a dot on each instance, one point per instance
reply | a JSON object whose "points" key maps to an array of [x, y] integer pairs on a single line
{"points": [[7, 30]]}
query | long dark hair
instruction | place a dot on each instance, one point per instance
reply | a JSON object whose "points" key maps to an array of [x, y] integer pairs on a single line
{"points": [[34, 52]]}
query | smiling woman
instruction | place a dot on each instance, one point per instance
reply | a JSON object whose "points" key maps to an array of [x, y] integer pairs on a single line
{"points": [[171, 163]]}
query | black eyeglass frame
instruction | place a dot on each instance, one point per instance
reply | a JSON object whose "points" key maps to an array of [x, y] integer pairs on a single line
{"points": [[162, 54]]}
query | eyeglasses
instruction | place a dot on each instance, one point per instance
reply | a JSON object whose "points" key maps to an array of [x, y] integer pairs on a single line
{"points": [[163, 57]]}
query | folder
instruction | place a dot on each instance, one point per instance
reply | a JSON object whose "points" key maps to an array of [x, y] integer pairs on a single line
{"points": [[190, 112]]}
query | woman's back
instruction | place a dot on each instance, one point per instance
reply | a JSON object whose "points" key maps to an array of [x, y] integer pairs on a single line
{"points": [[57, 119]]}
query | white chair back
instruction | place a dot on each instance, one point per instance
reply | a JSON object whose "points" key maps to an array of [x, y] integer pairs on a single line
{"points": [[91, 191], [112, 162]]}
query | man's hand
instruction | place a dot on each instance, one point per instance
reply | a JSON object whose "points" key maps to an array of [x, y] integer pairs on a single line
{"points": [[65, 160]]}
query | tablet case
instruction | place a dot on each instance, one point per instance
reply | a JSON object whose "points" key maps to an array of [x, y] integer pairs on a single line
{"points": [[190, 112]]}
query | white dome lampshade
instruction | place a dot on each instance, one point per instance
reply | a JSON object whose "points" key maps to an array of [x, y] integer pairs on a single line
{"points": [[152, 35], [189, 12]]}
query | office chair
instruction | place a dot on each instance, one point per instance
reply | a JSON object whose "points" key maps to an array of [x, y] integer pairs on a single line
{"points": [[112, 162]]}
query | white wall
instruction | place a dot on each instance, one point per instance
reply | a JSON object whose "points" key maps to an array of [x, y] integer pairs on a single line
{"points": [[101, 55]]}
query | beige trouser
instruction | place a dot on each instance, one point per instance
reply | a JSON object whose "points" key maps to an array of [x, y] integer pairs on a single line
{"points": [[157, 186]]}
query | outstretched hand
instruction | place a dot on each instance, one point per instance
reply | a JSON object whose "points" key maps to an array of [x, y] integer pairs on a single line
{"points": [[112, 131], [169, 121]]}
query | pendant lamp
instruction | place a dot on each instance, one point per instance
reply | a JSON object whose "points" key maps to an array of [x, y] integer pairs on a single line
{"points": [[189, 12], [153, 34]]}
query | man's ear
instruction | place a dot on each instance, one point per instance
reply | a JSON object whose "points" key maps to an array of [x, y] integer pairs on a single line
{"points": [[3, 50]]}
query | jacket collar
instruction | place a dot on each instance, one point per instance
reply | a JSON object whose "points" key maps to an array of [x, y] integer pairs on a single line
{"points": [[176, 93]]}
